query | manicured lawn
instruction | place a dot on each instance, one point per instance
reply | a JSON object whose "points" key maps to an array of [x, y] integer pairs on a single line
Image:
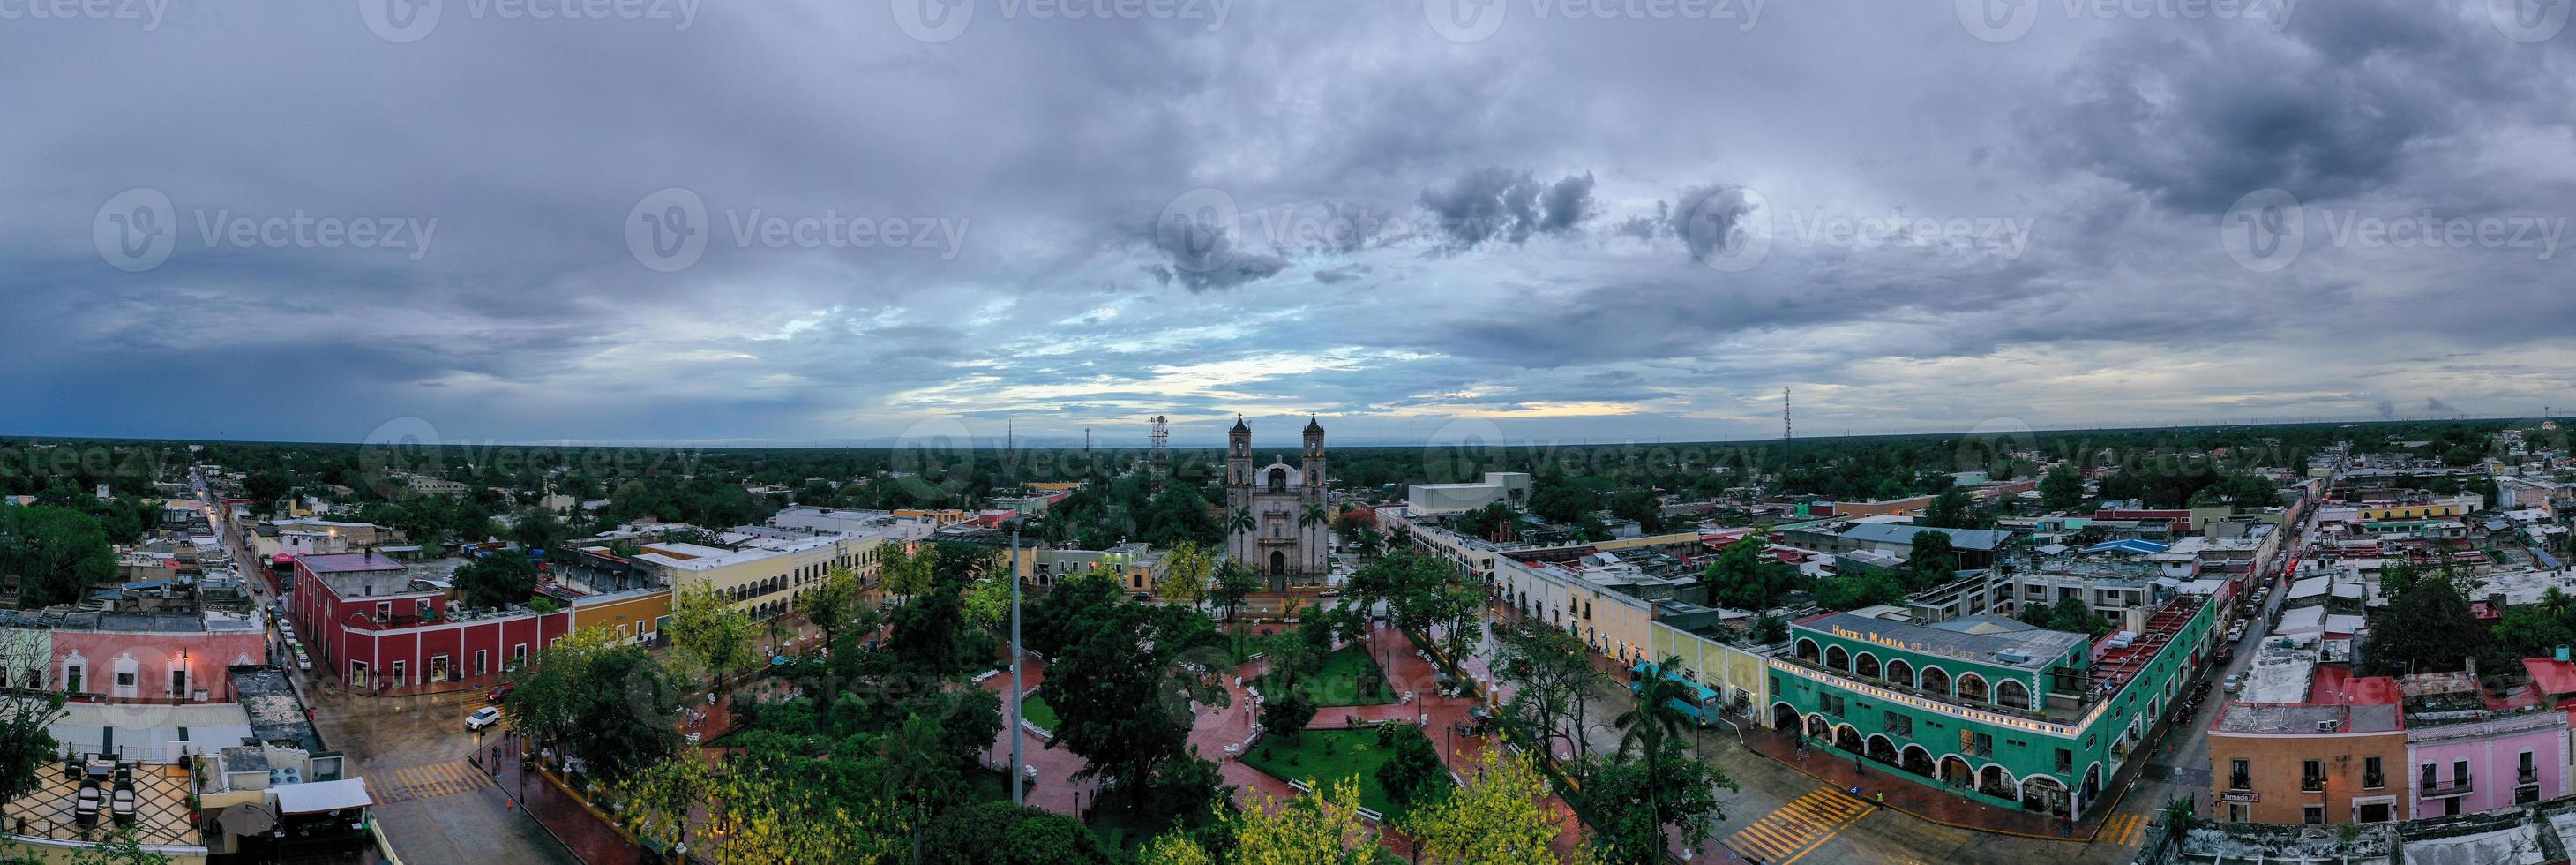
{"points": [[1353, 754], [1034, 709], [1338, 682], [1244, 644]]}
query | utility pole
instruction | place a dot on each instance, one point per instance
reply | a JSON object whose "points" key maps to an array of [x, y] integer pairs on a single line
{"points": [[1012, 572]]}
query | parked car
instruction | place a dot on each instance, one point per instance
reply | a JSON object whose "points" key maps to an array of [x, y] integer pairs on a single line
{"points": [[303, 661], [499, 694], [483, 717], [2234, 681]]}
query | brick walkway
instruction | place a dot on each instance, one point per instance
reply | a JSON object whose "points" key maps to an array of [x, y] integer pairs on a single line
{"points": [[586, 833], [1234, 724]]}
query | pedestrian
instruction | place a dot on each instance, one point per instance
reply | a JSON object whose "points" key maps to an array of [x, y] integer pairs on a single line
{"points": [[1882, 797]]}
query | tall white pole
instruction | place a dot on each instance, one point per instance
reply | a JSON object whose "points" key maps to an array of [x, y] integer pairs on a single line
{"points": [[1011, 571]]}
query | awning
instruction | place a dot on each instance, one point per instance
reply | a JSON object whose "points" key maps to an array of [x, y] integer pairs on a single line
{"points": [[313, 797]]}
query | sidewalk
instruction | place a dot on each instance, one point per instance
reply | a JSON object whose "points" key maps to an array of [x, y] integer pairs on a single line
{"points": [[1915, 795], [586, 833]]}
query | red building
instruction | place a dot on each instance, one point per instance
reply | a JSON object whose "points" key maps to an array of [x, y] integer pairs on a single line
{"points": [[366, 620]]}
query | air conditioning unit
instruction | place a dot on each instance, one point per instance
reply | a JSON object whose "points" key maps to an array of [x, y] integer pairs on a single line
{"points": [[2328, 726]]}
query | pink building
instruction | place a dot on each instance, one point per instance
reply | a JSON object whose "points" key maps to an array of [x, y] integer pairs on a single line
{"points": [[2469, 751], [371, 625], [143, 657]]}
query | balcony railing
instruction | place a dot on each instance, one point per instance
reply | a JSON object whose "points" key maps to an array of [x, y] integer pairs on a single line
{"points": [[2456, 787], [2373, 782], [2529, 775], [2311, 784], [2240, 782], [2044, 712]]}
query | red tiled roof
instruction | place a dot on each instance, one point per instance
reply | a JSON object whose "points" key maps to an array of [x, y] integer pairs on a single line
{"points": [[2336, 685], [2553, 676]]}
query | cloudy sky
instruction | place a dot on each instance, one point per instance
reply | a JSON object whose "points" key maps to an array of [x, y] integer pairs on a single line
{"points": [[1527, 219]]}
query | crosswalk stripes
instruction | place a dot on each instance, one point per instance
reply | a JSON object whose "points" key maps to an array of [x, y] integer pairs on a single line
{"points": [[423, 782], [1799, 827], [2123, 829]]}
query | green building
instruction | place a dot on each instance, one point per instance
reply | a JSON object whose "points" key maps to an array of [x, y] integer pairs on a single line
{"points": [[1989, 708]]}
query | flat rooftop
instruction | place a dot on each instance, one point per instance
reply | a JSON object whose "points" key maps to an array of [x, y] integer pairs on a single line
{"points": [[2305, 718], [161, 814], [339, 563], [2114, 666], [2280, 674], [1985, 639], [276, 711]]}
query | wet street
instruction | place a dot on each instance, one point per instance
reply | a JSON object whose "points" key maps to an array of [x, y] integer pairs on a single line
{"points": [[433, 805]]}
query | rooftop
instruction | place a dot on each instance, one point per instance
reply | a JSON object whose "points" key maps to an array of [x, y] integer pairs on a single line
{"points": [[2114, 664], [1982, 540], [1985, 639], [276, 712], [340, 563], [161, 813]]}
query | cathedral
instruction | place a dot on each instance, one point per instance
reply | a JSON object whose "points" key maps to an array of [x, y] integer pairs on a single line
{"points": [[1276, 519]]}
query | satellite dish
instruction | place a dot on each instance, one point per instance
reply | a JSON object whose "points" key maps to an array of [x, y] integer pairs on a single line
{"points": [[251, 819]]}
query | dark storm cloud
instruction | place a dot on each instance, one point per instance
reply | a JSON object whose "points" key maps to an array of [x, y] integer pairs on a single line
{"points": [[1495, 203], [2332, 106], [1344, 273], [1418, 229]]}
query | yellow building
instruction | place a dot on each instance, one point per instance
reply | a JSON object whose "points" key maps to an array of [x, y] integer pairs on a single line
{"points": [[947, 517], [1742, 671], [2448, 507], [1611, 622], [764, 577], [634, 616]]}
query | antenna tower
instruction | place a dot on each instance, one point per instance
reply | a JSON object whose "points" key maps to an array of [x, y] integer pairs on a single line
{"points": [[1160, 435]]}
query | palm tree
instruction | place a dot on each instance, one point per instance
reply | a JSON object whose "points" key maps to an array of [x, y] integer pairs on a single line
{"points": [[1239, 521], [1653, 721], [1314, 515], [917, 773]]}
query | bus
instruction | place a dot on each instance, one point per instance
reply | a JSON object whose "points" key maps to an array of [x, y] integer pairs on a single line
{"points": [[1702, 704]]}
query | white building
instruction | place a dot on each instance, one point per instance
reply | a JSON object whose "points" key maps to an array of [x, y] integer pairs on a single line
{"points": [[1441, 500]]}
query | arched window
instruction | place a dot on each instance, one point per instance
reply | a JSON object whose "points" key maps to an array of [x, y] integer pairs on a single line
{"points": [[1866, 665], [1935, 680], [1807, 650], [1900, 672], [1972, 687], [2012, 694], [1838, 659]]}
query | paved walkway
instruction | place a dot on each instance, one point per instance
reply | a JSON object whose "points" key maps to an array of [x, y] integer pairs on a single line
{"points": [[540, 798], [1881, 784], [1234, 724]]}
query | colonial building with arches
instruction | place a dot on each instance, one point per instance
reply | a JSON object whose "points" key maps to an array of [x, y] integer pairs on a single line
{"points": [[1989, 708]]}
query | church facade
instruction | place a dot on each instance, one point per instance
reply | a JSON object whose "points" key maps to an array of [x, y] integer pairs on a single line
{"points": [[1276, 518]]}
